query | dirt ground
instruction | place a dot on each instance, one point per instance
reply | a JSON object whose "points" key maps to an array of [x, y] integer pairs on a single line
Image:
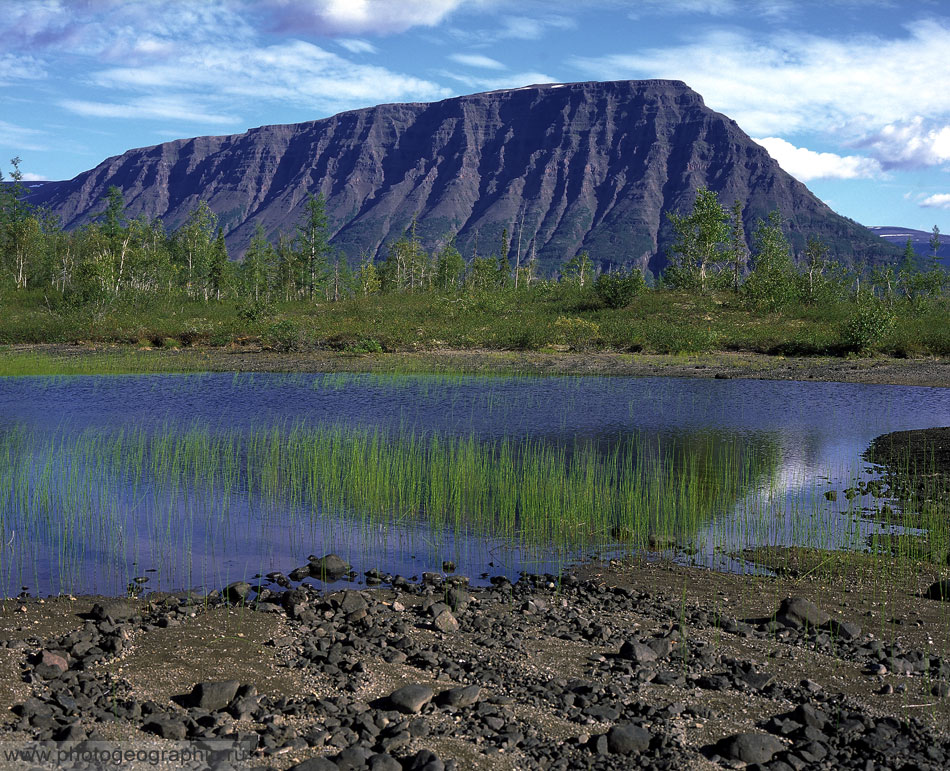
{"points": [[252, 646]]}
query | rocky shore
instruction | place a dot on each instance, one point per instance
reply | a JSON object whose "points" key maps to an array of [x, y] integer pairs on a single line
{"points": [[644, 665]]}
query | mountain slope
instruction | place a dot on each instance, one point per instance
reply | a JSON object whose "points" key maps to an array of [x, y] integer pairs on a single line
{"points": [[583, 166]]}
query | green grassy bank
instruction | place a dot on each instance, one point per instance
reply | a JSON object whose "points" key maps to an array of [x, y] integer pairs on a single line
{"points": [[542, 318]]}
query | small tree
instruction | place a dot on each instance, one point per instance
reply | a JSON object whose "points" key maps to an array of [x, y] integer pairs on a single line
{"points": [[813, 278], [578, 270], [698, 249], [449, 267], [313, 244], [935, 248], [772, 281], [256, 269], [738, 251], [368, 277], [217, 269], [504, 266], [195, 242]]}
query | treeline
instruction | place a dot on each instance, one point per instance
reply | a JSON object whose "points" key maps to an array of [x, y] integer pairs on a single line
{"points": [[117, 258]]}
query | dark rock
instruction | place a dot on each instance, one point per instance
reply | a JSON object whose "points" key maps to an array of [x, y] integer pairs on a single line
{"points": [[939, 590], [329, 567], [457, 598], [424, 760], [465, 696], [114, 610], [237, 592], [214, 696], [750, 747], [73, 732], [316, 764], [383, 762], [50, 665], [626, 738], [446, 622], [411, 698], [299, 574], [844, 630], [353, 758], [798, 612], [808, 714], [638, 652], [167, 727], [352, 602]]}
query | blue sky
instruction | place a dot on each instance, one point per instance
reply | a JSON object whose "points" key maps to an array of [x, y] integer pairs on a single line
{"points": [[851, 96]]}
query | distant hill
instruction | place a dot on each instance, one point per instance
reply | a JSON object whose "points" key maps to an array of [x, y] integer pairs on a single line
{"points": [[564, 167], [919, 238]]}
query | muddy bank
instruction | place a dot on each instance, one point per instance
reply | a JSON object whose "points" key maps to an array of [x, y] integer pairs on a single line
{"points": [[644, 665], [919, 372], [926, 449]]}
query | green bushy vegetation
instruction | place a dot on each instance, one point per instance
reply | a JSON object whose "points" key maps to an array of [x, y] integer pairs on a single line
{"points": [[132, 281]]}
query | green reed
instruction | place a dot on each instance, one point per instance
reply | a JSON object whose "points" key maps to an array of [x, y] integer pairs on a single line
{"points": [[66, 488]]}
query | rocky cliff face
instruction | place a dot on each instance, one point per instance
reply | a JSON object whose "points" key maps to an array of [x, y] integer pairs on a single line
{"points": [[563, 167]]}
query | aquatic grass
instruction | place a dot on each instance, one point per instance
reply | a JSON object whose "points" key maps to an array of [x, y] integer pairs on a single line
{"points": [[76, 492], [122, 361]]}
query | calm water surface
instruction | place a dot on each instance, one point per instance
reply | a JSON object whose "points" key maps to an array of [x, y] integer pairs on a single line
{"points": [[816, 433]]}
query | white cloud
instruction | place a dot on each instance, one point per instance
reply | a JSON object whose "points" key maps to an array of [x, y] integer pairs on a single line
{"points": [[711, 7], [499, 82], [156, 108], [789, 83], [29, 176], [805, 164], [202, 61], [357, 45], [478, 60], [334, 17], [937, 201], [20, 137], [295, 72], [911, 143], [19, 68]]}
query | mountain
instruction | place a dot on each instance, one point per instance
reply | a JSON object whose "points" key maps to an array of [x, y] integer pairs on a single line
{"points": [[920, 240], [564, 167]]}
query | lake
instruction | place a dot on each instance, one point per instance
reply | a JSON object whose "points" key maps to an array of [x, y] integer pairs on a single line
{"points": [[193, 481]]}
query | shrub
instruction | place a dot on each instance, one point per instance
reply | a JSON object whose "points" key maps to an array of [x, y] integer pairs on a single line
{"points": [[670, 338], [366, 345], [868, 325], [578, 333], [255, 310], [283, 336], [617, 290]]}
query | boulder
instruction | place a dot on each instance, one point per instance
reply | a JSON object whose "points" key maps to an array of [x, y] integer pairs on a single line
{"points": [[939, 590], [410, 699], [638, 652], [214, 696], [797, 612], [750, 747], [329, 567], [626, 738], [114, 610]]}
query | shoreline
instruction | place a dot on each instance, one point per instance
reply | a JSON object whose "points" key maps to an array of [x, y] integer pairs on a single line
{"points": [[929, 372], [640, 664]]}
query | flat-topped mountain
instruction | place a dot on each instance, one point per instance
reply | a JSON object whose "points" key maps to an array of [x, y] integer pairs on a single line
{"points": [[919, 239], [564, 167]]}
